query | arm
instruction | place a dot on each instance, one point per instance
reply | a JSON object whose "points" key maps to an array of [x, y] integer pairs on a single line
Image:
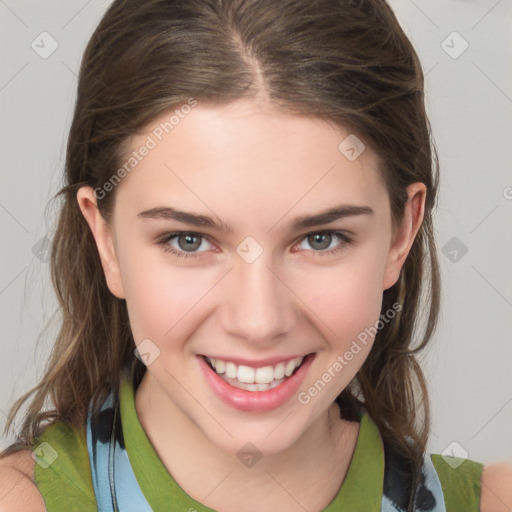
{"points": [[496, 494], [18, 492]]}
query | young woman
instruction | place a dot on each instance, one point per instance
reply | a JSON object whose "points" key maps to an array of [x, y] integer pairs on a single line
{"points": [[244, 249]]}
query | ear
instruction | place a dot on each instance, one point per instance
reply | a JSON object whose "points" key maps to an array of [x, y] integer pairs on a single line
{"points": [[104, 240], [405, 233]]}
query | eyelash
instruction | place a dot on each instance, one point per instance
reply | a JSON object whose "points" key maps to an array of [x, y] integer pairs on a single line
{"points": [[182, 254]]}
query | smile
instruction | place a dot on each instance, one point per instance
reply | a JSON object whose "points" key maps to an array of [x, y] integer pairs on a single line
{"points": [[254, 379], [240, 386]]}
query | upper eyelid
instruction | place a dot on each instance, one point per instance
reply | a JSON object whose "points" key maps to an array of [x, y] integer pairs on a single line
{"points": [[308, 233]]}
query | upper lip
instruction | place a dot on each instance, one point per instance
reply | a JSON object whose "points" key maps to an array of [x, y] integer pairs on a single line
{"points": [[270, 361]]}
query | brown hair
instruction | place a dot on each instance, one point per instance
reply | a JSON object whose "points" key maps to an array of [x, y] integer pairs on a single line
{"points": [[344, 61]]}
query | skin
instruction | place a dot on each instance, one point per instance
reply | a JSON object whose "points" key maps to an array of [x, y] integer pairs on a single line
{"points": [[256, 169], [317, 446]]}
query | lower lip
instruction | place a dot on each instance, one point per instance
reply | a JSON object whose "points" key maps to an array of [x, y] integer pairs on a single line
{"points": [[255, 401]]}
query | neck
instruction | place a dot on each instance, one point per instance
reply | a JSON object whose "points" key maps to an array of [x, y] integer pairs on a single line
{"points": [[320, 457]]}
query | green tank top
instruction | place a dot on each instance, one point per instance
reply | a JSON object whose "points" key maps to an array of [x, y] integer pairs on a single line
{"points": [[67, 465]]}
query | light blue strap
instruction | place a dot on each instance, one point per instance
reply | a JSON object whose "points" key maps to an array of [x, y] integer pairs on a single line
{"points": [[433, 484], [114, 482]]}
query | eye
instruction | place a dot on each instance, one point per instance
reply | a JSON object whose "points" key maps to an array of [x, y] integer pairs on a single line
{"points": [[188, 243], [323, 239], [186, 240]]}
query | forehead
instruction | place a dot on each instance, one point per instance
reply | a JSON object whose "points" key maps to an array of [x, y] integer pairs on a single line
{"points": [[248, 158]]}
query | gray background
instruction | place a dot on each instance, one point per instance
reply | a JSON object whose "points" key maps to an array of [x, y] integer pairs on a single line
{"points": [[469, 101]]}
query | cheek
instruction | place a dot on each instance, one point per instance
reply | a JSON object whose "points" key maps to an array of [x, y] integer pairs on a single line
{"points": [[160, 298], [348, 298]]}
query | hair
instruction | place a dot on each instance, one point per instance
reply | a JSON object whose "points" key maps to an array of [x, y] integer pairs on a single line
{"points": [[347, 62]]}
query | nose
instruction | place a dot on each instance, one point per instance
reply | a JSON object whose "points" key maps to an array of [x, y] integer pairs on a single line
{"points": [[258, 307]]}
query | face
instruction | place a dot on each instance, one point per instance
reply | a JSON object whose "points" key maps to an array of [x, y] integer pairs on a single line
{"points": [[263, 281]]}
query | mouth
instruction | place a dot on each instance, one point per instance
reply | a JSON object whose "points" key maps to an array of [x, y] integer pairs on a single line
{"points": [[250, 396], [256, 378]]}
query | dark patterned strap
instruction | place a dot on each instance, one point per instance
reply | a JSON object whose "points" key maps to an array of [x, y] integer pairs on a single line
{"points": [[398, 486]]}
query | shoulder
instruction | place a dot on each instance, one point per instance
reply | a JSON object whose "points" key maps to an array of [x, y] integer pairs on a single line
{"points": [[18, 492], [483, 487], [62, 458], [460, 481], [43, 475], [496, 494]]}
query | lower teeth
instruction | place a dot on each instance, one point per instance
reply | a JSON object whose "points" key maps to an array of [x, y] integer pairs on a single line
{"points": [[251, 387]]}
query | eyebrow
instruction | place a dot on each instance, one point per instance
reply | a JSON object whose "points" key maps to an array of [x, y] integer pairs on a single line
{"points": [[305, 221]]}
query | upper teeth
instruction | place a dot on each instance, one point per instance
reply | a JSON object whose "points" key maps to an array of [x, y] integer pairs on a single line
{"points": [[250, 375]]}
